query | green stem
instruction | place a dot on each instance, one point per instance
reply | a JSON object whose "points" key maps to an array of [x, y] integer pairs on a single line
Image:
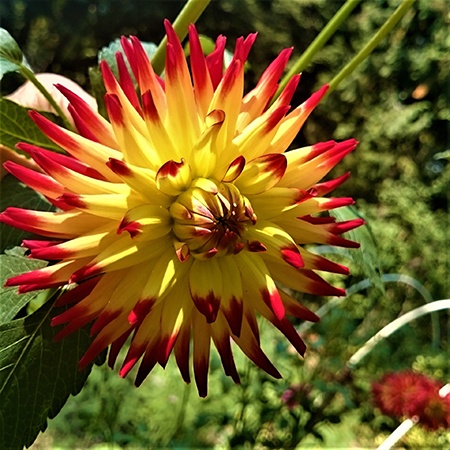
{"points": [[321, 39], [385, 278], [192, 10], [29, 75], [369, 47], [394, 326]]}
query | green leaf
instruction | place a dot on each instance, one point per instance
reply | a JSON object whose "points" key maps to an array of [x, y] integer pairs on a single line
{"points": [[37, 375], [10, 301], [98, 89], [16, 126], [109, 54], [15, 193], [366, 257], [10, 54]]}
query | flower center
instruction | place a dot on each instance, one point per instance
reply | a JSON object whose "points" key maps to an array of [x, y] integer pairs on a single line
{"points": [[210, 219]]}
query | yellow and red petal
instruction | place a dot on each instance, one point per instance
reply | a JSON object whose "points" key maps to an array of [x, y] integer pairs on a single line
{"points": [[73, 180], [258, 276], [35, 180], [203, 87], [261, 174], [50, 276], [173, 177], [60, 225], [205, 285], [304, 174], [220, 334], [254, 140], [124, 252], [89, 123], [89, 152], [254, 103], [232, 296], [227, 98], [182, 119], [147, 222], [143, 72], [277, 242], [292, 123]]}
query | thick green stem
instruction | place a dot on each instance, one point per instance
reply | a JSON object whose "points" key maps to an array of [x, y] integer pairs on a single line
{"points": [[321, 39], [29, 75], [192, 10], [369, 47]]}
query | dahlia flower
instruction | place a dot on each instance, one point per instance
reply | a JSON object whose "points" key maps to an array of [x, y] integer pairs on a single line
{"points": [[409, 394], [181, 219]]}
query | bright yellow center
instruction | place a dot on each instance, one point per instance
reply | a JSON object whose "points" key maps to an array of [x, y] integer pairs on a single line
{"points": [[210, 219]]}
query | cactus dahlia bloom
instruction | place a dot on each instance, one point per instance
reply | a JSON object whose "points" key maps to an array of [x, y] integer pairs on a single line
{"points": [[181, 219], [409, 394]]}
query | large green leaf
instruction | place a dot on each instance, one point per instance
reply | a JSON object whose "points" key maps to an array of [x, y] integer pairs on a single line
{"points": [[10, 301], [15, 193], [10, 54], [16, 126], [37, 375]]}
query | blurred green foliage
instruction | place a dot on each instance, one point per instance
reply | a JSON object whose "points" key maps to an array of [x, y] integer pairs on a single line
{"points": [[397, 105]]}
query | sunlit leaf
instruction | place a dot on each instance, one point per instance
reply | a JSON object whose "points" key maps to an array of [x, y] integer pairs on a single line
{"points": [[15, 193], [10, 301], [37, 375], [10, 54], [16, 126]]}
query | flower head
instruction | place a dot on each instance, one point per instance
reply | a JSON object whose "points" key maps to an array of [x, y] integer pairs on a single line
{"points": [[409, 394], [181, 218]]}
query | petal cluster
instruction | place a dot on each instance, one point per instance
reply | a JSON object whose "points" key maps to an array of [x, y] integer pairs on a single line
{"points": [[181, 220], [409, 394]]}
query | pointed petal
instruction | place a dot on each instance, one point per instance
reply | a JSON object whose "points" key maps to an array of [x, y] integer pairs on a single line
{"points": [[215, 61], [304, 174], [89, 123], [80, 247], [257, 99], [292, 123], [35, 180], [137, 177], [49, 276], [91, 153], [250, 346], [232, 303], [111, 206], [254, 140], [73, 180], [182, 121], [60, 225], [258, 277], [203, 88], [205, 285], [202, 344], [221, 337], [123, 253], [261, 174]]}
